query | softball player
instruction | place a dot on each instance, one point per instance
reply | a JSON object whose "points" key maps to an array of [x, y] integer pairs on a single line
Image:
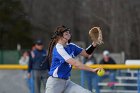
{"points": [[61, 53]]}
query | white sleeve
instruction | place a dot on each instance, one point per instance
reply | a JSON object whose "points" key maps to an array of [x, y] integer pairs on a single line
{"points": [[21, 61], [24, 61], [60, 49]]}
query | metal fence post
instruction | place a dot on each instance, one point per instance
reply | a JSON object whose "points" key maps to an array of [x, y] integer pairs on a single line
{"points": [[82, 74]]}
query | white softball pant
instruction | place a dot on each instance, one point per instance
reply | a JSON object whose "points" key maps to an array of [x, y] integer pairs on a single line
{"points": [[56, 85]]}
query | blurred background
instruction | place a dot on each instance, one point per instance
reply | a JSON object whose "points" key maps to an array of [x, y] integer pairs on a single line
{"points": [[23, 21]]}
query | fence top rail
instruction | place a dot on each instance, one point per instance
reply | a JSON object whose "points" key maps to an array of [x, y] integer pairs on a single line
{"points": [[13, 67], [117, 66]]}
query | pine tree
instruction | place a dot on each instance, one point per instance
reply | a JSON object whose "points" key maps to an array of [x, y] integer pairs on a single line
{"points": [[15, 28]]}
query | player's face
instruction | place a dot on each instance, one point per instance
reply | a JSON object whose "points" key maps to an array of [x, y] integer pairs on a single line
{"points": [[67, 35], [106, 58], [25, 54], [39, 46]]}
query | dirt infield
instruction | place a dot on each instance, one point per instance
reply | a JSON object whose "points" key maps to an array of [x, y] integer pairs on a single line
{"points": [[12, 81]]}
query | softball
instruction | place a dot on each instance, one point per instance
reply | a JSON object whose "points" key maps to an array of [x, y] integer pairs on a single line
{"points": [[101, 72]]}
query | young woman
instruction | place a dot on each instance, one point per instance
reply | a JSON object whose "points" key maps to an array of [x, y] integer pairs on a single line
{"points": [[61, 53]]}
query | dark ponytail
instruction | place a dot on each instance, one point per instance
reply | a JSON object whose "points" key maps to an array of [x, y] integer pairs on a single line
{"points": [[50, 49], [54, 39]]}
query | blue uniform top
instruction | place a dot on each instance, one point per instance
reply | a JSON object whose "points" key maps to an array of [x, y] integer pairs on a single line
{"points": [[59, 67]]}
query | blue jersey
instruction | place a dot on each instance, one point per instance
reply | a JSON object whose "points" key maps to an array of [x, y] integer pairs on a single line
{"points": [[59, 67]]}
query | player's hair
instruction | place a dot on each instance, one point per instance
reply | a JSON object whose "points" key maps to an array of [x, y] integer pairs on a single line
{"points": [[54, 39]]}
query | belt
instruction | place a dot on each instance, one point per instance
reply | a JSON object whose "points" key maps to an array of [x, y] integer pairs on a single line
{"points": [[60, 78]]}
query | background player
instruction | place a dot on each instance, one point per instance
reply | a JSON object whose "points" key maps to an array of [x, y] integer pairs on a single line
{"points": [[36, 69]]}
